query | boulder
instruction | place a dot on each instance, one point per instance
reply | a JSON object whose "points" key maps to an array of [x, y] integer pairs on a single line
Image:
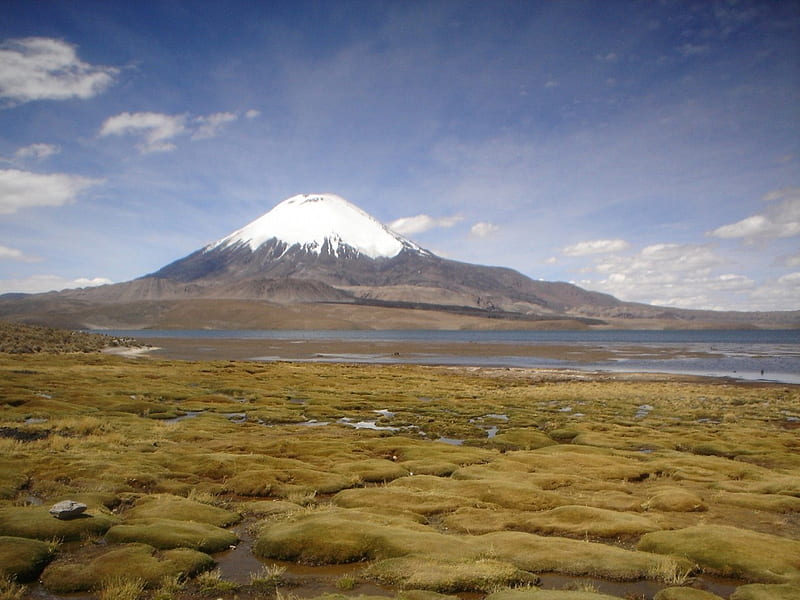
{"points": [[67, 509]]}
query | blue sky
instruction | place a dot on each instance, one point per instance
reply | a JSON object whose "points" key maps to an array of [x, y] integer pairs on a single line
{"points": [[645, 149]]}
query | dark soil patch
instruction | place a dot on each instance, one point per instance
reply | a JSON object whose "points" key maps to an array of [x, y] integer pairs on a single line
{"points": [[22, 435]]}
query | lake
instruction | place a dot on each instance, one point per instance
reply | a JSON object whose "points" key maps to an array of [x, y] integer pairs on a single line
{"points": [[768, 355]]}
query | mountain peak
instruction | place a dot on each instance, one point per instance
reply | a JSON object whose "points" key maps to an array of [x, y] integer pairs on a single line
{"points": [[317, 221]]}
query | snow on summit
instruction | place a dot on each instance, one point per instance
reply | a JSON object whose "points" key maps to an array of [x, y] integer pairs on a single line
{"points": [[312, 219]]}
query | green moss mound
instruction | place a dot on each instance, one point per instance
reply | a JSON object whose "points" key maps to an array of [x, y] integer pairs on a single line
{"points": [[540, 554], [539, 594], [350, 535], [439, 468], [168, 533], [177, 508], [779, 503], [344, 536], [404, 595], [286, 482], [399, 499], [37, 523], [675, 500], [761, 591], [11, 478], [731, 552], [130, 561], [684, 593], [448, 575], [520, 439], [372, 470], [22, 559], [505, 492], [423, 595], [564, 520]]}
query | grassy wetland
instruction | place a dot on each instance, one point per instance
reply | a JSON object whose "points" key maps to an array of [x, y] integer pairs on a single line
{"points": [[233, 479]]}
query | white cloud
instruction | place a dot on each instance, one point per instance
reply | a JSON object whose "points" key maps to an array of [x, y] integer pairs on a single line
{"points": [[38, 151], [688, 276], [38, 68], [781, 294], [23, 189], [7, 253], [791, 279], [421, 223], [156, 129], [484, 229], [680, 275], [779, 220], [210, 125], [596, 247], [792, 261], [48, 283], [252, 114]]}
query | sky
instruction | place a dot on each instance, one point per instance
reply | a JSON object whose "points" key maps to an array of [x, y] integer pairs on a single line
{"points": [[650, 150]]}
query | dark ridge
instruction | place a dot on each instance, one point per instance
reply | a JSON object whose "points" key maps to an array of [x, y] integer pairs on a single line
{"points": [[490, 313]]}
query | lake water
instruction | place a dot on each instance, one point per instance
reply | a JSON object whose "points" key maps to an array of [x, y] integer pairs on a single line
{"points": [[769, 355]]}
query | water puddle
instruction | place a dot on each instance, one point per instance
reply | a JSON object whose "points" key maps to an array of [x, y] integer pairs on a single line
{"points": [[451, 441], [238, 563], [313, 423], [190, 414], [373, 425], [237, 418], [491, 430]]}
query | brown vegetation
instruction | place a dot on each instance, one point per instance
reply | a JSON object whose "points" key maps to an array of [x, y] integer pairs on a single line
{"points": [[16, 338]]}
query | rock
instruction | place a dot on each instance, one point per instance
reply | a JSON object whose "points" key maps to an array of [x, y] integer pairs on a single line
{"points": [[67, 509]]}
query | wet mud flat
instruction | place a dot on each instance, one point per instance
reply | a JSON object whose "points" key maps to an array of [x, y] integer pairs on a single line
{"points": [[369, 350], [228, 479]]}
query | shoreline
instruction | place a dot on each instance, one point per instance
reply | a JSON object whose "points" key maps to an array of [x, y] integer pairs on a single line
{"points": [[596, 359]]}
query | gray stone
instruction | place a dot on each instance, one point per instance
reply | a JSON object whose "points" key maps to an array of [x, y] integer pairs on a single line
{"points": [[67, 509]]}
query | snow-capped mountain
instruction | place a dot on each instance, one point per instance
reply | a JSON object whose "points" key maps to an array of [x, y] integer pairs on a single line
{"points": [[319, 223], [323, 238]]}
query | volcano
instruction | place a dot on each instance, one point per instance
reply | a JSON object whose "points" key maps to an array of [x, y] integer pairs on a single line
{"points": [[318, 261], [339, 252]]}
